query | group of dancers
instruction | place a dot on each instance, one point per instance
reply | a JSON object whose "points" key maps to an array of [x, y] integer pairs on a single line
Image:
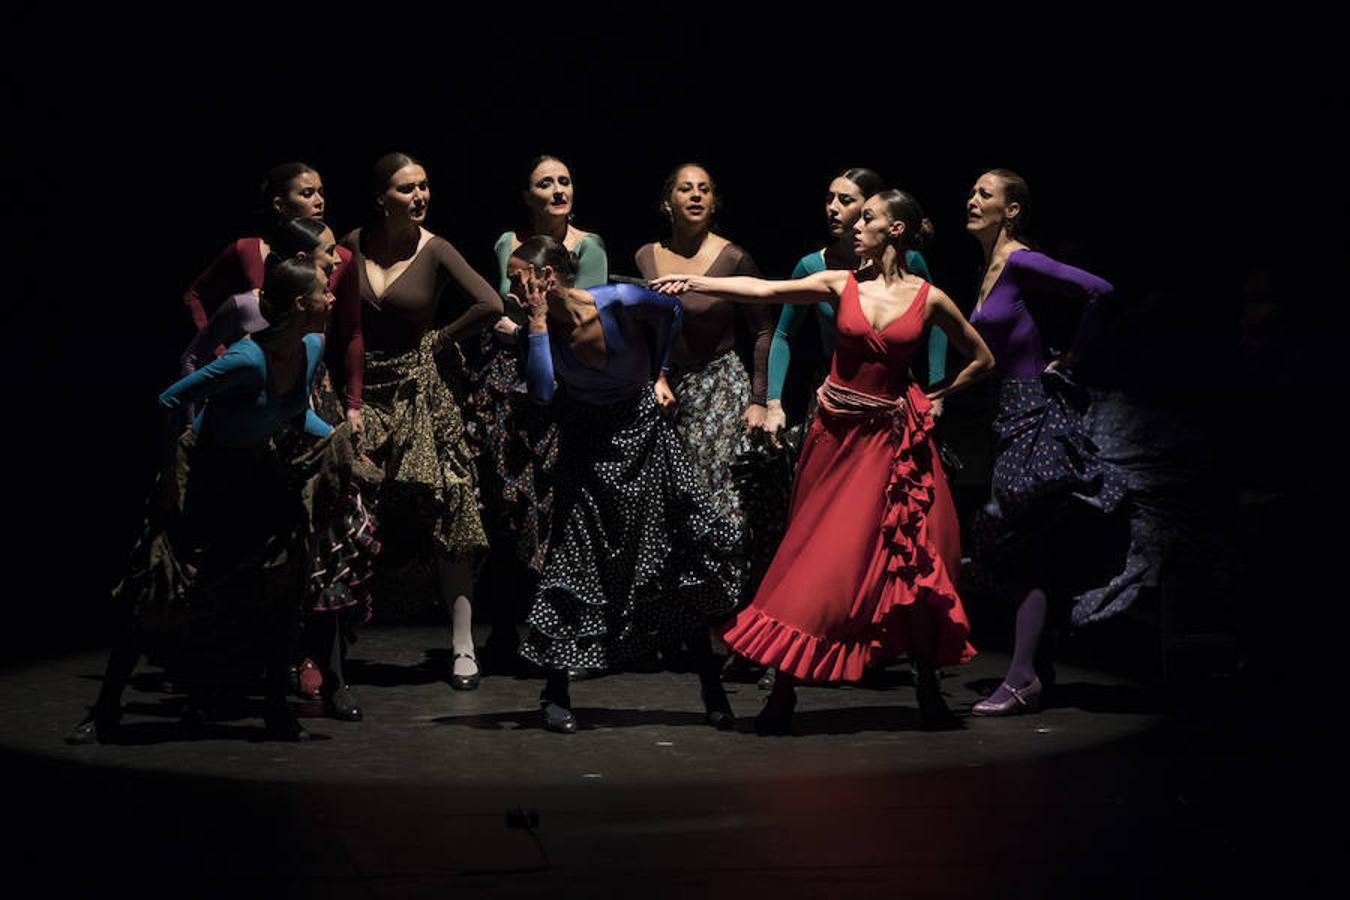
{"points": [[574, 439]]}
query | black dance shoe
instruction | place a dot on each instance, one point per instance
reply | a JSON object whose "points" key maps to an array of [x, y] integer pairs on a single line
{"points": [[282, 725], [766, 680], [933, 712], [776, 717], [716, 708], [96, 728], [558, 717], [464, 682], [342, 705]]}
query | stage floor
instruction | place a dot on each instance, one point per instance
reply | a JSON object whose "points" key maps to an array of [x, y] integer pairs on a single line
{"points": [[1107, 791]]}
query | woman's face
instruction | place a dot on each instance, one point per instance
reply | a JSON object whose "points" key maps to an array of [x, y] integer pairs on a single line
{"points": [[550, 190], [691, 200], [843, 205], [317, 304], [303, 198], [325, 255], [987, 208], [407, 195], [874, 229]]}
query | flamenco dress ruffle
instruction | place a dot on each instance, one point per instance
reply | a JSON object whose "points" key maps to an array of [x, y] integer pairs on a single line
{"points": [[872, 533]]}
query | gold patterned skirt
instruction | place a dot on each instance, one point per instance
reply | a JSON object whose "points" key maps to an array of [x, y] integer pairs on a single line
{"points": [[414, 431]]}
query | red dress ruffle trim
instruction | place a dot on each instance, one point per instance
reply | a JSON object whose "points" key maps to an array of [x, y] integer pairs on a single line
{"points": [[917, 574]]}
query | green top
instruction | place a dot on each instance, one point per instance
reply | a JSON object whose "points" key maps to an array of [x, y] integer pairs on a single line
{"points": [[793, 314], [590, 250]]}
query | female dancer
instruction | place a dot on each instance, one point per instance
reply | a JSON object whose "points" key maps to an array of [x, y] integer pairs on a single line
{"points": [[227, 565], [240, 314], [520, 439], [843, 204], [1046, 465], [397, 396], [717, 403], [865, 570], [291, 190], [638, 557]]}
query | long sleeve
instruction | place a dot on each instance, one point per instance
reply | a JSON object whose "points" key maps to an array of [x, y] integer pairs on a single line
{"points": [[347, 331], [485, 306], [661, 311], [234, 368], [315, 426], [539, 367], [225, 326], [225, 276], [780, 348], [760, 322], [593, 268], [1039, 274]]}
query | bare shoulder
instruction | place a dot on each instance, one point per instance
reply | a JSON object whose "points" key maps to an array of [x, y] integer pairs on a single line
{"points": [[937, 297]]}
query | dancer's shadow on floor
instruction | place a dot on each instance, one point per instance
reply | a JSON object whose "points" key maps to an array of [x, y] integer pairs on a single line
{"points": [[435, 668], [860, 720], [1082, 695], [843, 720], [173, 727]]}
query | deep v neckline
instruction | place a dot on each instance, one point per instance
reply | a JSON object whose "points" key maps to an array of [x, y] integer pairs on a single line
{"points": [[389, 285], [921, 294], [993, 287]]}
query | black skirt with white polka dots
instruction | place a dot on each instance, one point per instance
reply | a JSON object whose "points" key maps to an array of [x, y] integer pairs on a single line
{"points": [[638, 557], [1057, 519]]}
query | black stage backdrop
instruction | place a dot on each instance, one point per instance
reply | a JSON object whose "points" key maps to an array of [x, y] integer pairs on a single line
{"points": [[1163, 156]]}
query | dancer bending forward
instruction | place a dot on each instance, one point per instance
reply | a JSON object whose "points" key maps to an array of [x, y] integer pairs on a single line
{"points": [[638, 557]]}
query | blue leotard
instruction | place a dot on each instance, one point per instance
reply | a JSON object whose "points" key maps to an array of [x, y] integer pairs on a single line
{"points": [[640, 328], [241, 412]]}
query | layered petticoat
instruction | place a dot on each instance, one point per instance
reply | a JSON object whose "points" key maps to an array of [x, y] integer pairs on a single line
{"points": [[638, 556], [242, 543]]}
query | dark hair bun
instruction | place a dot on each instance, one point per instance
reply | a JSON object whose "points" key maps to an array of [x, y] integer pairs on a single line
{"points": [[542, 250], [285, 280], [924, 236]]}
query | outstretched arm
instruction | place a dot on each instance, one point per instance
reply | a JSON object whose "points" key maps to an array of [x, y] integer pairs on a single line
{"points": [[943, 313], [821, 287]]}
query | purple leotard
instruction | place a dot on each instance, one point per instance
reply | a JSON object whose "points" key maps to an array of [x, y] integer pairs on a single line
{"points": [[1006, 323]]}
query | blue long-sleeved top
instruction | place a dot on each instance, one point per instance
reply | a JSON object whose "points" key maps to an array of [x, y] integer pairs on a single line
{"points": [[640, 327], [241, 412], [792, 316]]}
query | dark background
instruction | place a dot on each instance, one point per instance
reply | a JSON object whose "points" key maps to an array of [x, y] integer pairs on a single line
{"points": [[1168, 157]]}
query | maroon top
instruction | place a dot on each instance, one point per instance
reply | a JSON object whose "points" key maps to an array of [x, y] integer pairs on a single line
{"points": [[396, 321], [710, 322], [238, 268]]}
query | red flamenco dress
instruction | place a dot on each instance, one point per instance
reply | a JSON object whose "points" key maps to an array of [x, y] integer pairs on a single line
{"points": [[866, 569]]}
